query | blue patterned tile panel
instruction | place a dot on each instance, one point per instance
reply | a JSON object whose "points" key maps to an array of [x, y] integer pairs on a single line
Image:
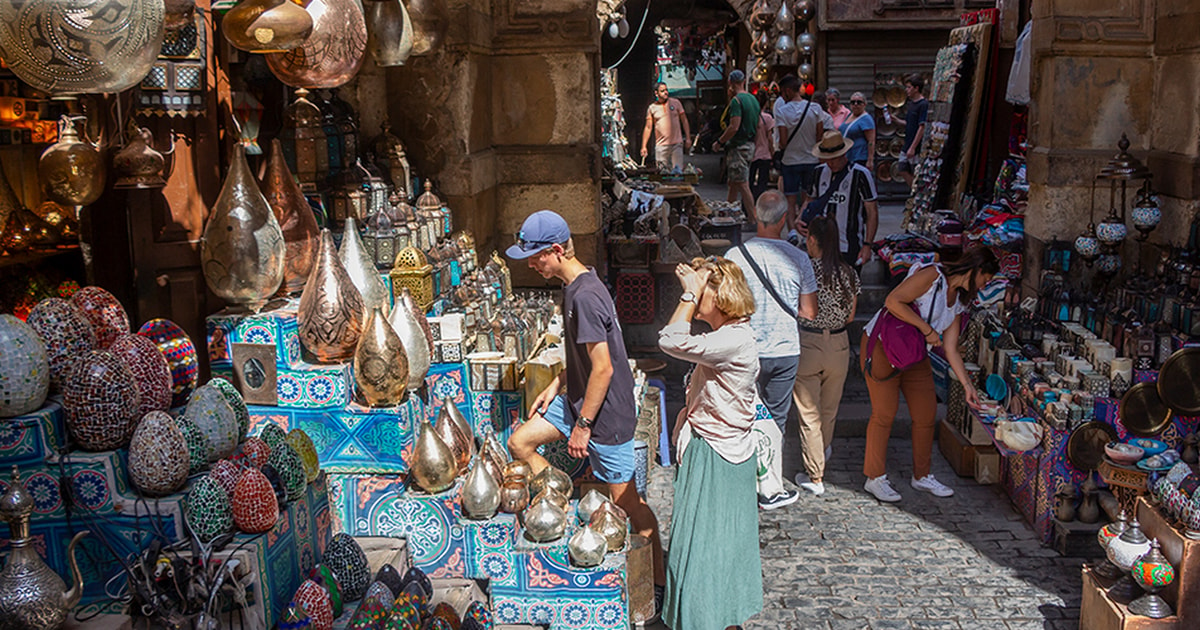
{"points": [[275, 326]]}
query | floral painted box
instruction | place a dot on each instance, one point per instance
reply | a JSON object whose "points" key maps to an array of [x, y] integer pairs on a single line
{"points": [[354, 439], [274, 326], [33, 438], [550, 592]]}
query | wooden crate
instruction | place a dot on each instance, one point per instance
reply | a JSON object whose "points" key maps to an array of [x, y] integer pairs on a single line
{"points": [[1098, 612], [957, 450], [987, 465]]}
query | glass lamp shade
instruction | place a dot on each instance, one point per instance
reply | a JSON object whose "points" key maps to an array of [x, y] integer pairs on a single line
{"points": [[1108, 263], [804, 10], [301, 235], [81, 46], [389, 32], [266, 26], [762, 44], [1152, 572], [806, 42], [1111, 231], [1146, 216], [334, 51], [71, 171], [1128, 547], [1087, 245], [785, 45]]}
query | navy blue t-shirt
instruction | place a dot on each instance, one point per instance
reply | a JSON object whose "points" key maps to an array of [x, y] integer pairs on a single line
{"points": [[591, 317], [917, 113]]}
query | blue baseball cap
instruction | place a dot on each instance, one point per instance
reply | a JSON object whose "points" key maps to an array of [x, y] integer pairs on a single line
{"points": [[539, 231]]}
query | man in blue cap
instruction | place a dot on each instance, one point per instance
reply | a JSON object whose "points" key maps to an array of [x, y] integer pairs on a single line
{"points": [[595, 409]]}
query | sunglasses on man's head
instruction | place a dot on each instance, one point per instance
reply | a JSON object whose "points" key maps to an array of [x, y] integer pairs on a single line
{"points": [[530, 245]]}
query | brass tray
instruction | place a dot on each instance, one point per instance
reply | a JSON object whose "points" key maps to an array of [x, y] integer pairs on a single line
{"points": [[1142, 412], [879, 96], [896, 96], [1179, 382], [1085, 447], [883, 171]]}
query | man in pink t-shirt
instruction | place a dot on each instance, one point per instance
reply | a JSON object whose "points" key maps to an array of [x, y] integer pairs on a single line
{"points": [[665, 116]]}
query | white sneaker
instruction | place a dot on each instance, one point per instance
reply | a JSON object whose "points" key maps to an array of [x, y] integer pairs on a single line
{"points": [[882, 489], [815, 487], [932, 486]]}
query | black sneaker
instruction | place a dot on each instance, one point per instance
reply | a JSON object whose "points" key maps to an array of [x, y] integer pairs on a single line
{"points": [[785, 498], [659, 592]]}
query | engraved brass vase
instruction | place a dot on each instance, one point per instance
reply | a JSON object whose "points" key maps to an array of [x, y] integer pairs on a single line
{"points": [[433, 467], [331, 309], [361, 267], [242, 251], [333, 52], [415, 343], [301, 236], [380, 365]]}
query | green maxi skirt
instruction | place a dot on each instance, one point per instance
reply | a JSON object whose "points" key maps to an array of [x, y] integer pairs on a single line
{"points": [[714, 571]]}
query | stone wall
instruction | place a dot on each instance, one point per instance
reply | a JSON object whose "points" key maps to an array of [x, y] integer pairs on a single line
{"points": [[503, 115], [1101, 69]]}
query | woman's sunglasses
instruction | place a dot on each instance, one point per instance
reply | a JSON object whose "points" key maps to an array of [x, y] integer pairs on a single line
{"points": [[853, 102]]}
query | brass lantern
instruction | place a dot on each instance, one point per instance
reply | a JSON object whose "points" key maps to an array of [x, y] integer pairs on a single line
{"points": [[429, 212], [350, 197], [304, 144], [343, 117], [377, 189], [403, 234], [393, 160], [412, 270]]}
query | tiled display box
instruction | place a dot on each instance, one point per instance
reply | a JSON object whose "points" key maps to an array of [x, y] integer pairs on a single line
{"points": [[275, 325]]}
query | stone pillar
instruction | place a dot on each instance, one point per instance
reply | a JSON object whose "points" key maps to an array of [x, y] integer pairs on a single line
{"points": [[1101, 69]]}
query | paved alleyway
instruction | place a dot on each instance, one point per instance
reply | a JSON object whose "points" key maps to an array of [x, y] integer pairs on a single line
{"points": [[844, 560]]}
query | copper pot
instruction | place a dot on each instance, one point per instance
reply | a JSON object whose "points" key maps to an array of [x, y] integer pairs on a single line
{"points": [[334, 51]]}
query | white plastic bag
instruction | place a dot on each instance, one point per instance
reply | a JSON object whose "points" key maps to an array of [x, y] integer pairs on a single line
{"points": [[1019, 436]]}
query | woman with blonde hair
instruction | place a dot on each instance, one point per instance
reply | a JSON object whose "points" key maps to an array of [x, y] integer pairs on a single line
{"points": [[714, 571]]}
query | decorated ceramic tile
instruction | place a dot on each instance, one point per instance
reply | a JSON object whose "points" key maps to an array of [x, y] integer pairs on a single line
{"points": [[234, 398], [25, 370], [150, 372], [210, 412], [104, 312], [256, 451], [291, 470], [66, 333], [348, 562], [101, 402], [177, 348], [158, 455], [254, 507], [303, 445], [208, 510], [315, 602], [197, 444], [226, 473]]}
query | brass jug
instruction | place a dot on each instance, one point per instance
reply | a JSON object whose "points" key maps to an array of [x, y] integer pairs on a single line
{"points": [[433, 465], [35, 597], [71, 171]]}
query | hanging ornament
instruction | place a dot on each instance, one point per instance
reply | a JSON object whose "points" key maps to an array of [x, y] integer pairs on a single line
{"points": [[266, 26], [806, 42], [138, 164], [1146, 213], [1087, 246], [783, 18], [803, 10], [1111, 230], [71, 170], [805, 72], [334, 51], [762, 16], [784, 45], [762, 45], [623, 27], [389, 32]]}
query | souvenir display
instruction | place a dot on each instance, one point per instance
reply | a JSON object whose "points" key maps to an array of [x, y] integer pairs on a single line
{"points": [[287, 463], [242, 252], [35, 597], [25, 370], [151, 374], [177, 348], [66, 333], [104, 313], [101, 402], [158, 455]]}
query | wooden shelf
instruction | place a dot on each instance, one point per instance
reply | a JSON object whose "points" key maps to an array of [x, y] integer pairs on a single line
{"points": [[24, 258]]}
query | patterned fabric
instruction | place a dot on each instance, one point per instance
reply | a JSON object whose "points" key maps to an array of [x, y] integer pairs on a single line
{"points": [[834, 303]]}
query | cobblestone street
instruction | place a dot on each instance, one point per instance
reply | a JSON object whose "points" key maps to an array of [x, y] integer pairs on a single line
{"points": [[844, 560]]}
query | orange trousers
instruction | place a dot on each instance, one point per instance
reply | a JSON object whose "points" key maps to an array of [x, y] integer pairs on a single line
{"points": [[917, 385]]}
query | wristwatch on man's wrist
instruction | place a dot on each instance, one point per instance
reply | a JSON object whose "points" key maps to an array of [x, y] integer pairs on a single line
{"points": [[584, 422], [687, 296]]}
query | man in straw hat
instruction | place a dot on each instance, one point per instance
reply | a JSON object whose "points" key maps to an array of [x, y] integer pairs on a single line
{"points": [[846, 192]]}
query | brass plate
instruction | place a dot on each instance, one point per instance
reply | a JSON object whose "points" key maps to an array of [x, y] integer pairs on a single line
{"points": [[896, 96], [883, 171], [1179, 382], [1142, 412], [879, 96], [897, 147], [1085, 447], [254, 373]]}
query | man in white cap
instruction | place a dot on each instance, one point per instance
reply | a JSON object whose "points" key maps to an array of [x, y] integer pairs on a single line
{"points": [[591, 402], [845, 191]]}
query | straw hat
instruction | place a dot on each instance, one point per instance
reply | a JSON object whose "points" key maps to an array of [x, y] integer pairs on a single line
{"points": [[832, 145]]}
